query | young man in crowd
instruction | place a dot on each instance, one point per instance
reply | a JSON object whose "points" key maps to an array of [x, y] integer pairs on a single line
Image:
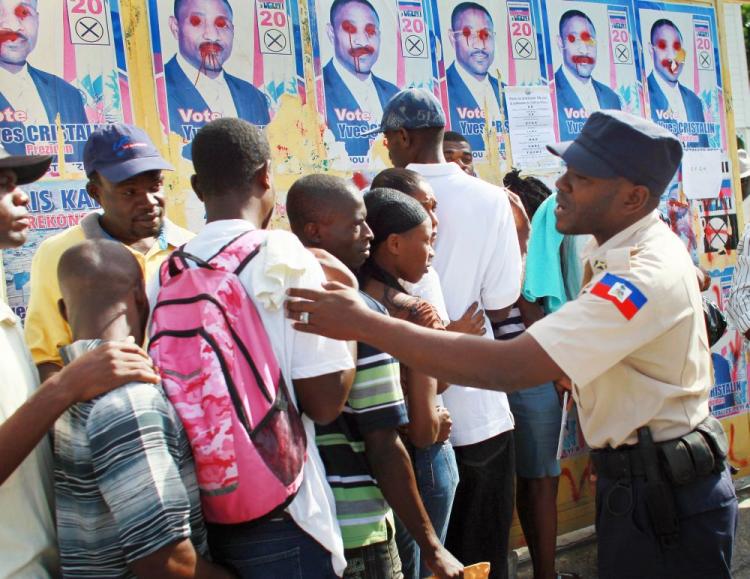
{"points": [[125, 177], [27, 410], [126, 494], [366, 463], [232, 161], [478, 260], [632, 344]]}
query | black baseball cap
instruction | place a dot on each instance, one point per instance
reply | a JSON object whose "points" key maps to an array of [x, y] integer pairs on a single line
{"points": [[28, 168], [119, 152], [617, 144]]}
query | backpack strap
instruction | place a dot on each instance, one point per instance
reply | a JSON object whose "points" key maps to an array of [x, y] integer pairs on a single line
{"points": [[178, 262], [236, 254]]}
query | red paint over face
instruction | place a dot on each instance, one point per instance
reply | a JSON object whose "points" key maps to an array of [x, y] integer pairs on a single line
{"points": [[371, 30], [677, 45], [661, 44], [195, 20], [585, 36], [348, 27], [467, 33], [582, 59], [571, 38], [483, 34], [22, 12], [8, 36], [221, 22]]}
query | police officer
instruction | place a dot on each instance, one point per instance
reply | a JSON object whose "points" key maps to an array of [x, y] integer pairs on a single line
{"points": [[633, 345]]}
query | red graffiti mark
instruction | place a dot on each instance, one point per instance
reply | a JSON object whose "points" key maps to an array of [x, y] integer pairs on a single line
{"points": [[221, 22], [359, 51], [586, 36], [195, 20], [8, 36], [677, 45], [282, 149], [576, 487], [482, 34], [571, 38], [582, 59], [209, 52], [739, 462], [735, 348], [661, 44], [22, 11], [360, 180]]}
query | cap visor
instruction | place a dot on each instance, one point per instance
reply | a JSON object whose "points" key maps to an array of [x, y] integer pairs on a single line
{"points": [[582, 159], [28, 168], [374, 131], [118, 172]]}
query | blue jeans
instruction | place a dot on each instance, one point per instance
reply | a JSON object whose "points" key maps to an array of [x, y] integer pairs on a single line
{"points": [[276, 548], [375, 561], [437, 477]]}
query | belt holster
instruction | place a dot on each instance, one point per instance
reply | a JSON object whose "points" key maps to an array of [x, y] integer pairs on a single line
{"points": [[658, 496]]}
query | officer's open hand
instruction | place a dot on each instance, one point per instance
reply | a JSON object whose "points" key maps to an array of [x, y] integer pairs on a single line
{"points": [[472, 322], [336, 311]]}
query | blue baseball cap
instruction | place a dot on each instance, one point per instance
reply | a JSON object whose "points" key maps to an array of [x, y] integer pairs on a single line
{"points": [[120, 151], [413, 108], [617, 144]]}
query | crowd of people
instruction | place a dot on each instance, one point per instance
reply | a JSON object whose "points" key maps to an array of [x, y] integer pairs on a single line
{"points": [[333, 401]]}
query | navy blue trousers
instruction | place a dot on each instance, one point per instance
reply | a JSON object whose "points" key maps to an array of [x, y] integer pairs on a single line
{"points": [[628, 548]]}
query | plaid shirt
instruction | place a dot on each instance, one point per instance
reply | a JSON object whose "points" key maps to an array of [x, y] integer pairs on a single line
{"points": [[125, 481]]}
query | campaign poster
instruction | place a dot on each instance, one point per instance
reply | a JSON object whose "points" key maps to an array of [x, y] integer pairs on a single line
{"points": [[54, 205], [364, 52], [729, 395], [683, 72], [222, 58], [592, 61], [62, 73], [487, 46]]}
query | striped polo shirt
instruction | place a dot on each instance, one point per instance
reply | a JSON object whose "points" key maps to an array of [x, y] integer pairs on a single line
{"points": [[125, 482], [376, 402]]}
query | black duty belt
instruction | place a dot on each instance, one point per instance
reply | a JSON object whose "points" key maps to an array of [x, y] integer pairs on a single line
{"points": [[696, 454]]}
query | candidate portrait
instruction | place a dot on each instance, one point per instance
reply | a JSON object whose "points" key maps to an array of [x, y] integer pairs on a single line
{"points": [[578, 93], [671, 101], [354, 95], [28, 95], [473, 91], [198, 88]]}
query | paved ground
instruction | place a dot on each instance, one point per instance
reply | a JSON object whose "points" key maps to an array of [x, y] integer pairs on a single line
{"points": [[579, 554]]}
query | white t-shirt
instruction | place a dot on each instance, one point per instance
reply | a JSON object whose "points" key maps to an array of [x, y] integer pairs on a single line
{"points": [[300, 356], [478, 260], [28, 546], [428, 288]]}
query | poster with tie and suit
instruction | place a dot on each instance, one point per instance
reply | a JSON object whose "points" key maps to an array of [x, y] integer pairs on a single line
{"points": [[62, 73], [592, 61], [364, 52], [487, 46], [223, 58]]}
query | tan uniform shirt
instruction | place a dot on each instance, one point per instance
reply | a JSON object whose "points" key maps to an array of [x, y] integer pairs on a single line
{"points": [[634, 341]]}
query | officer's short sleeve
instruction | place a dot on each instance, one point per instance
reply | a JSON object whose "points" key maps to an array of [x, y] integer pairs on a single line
{"points": [[613, 317]]}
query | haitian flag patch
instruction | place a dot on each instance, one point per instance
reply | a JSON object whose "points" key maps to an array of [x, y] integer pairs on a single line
{"points": [[626, 297]]}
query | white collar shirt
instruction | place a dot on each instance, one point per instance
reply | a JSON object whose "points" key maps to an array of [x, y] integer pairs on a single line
{"points": [[21, 92], [584, 89], [215, 91], [363, 91], [483, 92], [28, 547], [674, 97]]}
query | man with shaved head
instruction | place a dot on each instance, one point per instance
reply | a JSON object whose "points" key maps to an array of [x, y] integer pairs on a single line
{"points": [[126, 493], [34, 96], [366, 463], [28, 410]]}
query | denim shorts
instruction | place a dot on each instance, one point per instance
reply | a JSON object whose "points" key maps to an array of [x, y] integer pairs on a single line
{"points": [[537, 413]]}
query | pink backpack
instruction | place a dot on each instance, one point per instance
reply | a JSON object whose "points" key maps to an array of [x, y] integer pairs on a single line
{"points": [[221, 375]]}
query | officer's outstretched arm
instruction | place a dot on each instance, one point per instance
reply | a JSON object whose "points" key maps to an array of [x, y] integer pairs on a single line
{"points": [[339, 313]]}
